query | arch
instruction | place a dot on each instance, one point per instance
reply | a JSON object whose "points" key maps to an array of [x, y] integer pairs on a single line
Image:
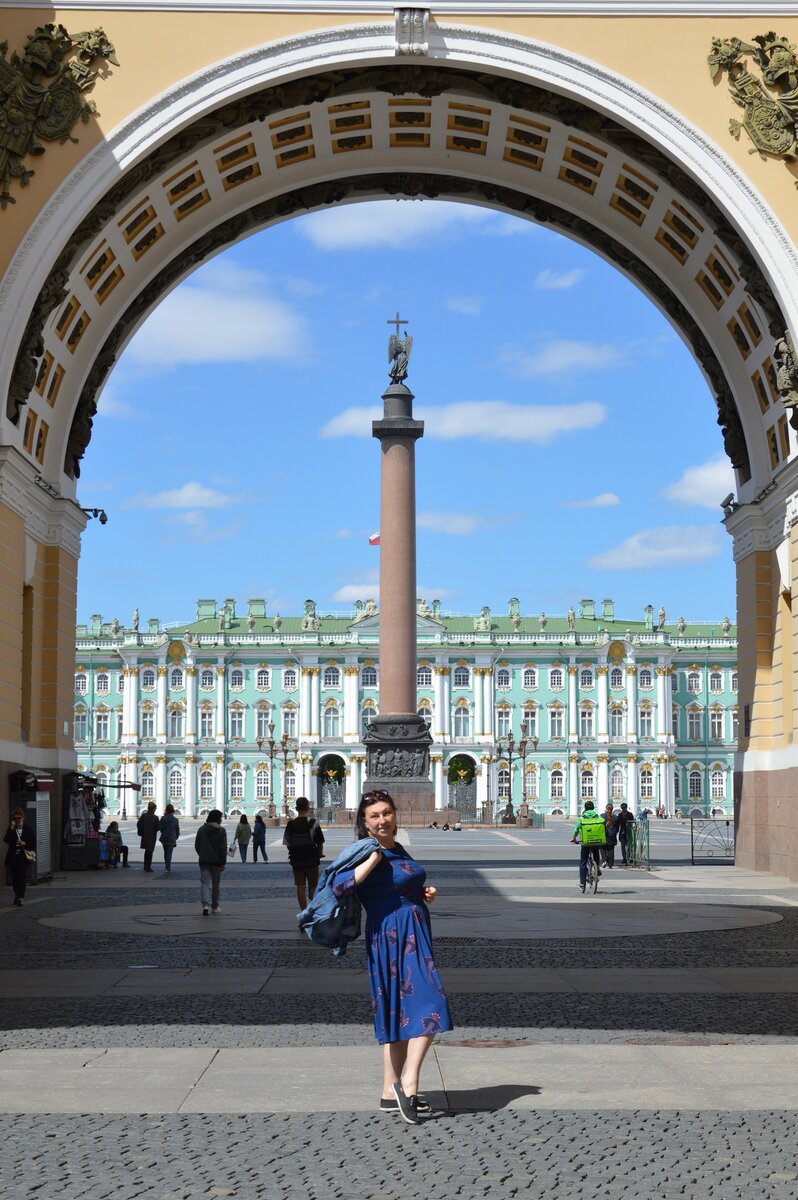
{"points": [[331, 782]]}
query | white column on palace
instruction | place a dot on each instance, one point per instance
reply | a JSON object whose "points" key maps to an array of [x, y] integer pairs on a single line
{"points": [[219, 790], [438, 780], [573, 786], [191, 704], [350, 722], [304, 702], [632, 784], [130, 719], [631, 703], [221, 705], [603, 782], [315, 701], [446, 706], [573, 726], [437, 702], [482, 785], [664, 795], [603, 697], [488, 720], [355, 782], [191, 786], [160, 719], [663, 716], [307, 778], [477, 679], [160, 783]]}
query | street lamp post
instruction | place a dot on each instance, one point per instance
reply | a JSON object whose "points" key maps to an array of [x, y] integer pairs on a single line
{"points": [[285, 748], [261, 742], [533, 742]]}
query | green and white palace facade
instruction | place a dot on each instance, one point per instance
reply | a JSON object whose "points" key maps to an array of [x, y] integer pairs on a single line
{"points": [[246, 711]]}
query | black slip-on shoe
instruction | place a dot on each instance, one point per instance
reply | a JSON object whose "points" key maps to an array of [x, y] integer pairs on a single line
{"points": [[392, 1106], [408, 1105]]}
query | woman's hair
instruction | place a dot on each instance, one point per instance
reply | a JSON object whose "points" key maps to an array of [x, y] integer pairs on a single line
{"points": [[170, 808], [17, 813], [112, 825], [258, 817], [243, 819], [366, 801], [214, 817]]}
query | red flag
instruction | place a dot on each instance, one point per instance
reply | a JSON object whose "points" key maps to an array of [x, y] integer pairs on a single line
{"points": [[374, 540]]}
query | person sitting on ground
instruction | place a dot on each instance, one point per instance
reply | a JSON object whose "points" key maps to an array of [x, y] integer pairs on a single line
{"points": [[118, 848], [304, 839]]}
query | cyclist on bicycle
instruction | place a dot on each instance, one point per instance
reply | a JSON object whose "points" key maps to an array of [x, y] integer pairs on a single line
{"points": [[591, 833]]}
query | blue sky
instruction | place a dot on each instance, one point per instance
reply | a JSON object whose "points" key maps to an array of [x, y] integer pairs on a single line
{"points": [[571, 447]]}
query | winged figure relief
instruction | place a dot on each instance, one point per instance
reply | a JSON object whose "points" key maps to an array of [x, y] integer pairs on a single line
{"points": [[40, 95], [399, 356]]}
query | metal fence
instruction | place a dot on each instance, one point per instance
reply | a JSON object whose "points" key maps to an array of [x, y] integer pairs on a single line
{"points": [[711, 838], [638, 845]]}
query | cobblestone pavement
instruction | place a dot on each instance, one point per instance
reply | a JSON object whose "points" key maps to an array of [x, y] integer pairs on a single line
{"points": [[621, 1155], [614, 1155]]}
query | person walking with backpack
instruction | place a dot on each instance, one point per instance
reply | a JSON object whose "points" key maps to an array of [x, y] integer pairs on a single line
{"points": [[591, 834], [304, 839]]}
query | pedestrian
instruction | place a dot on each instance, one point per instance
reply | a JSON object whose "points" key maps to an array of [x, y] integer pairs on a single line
{"points": [[304, 838], [21, 842], [407, 996], [590, 832], [611, 831], [170, 832], [211, 847], [259, 839], [242, 835], [624, 820], [118, 847], [147, 829]]}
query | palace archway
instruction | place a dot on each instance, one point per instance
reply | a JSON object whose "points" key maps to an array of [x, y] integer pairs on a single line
{"points": [[325, 118]]}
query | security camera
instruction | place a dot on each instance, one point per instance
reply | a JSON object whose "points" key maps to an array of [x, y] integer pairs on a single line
{"points": [[729, 499], [103, 517]]}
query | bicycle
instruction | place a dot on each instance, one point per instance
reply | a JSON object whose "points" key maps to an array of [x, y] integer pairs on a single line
{"points": [[593, 873]]}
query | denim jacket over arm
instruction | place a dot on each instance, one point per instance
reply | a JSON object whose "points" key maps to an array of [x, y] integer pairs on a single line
{"points": [[330, 921]]}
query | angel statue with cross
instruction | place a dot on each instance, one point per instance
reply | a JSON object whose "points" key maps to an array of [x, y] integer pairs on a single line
{"points": [[399, 349]]}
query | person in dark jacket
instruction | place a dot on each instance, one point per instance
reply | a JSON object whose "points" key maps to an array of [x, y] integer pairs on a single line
{"points": [[624, 820], [259, 839], [611, 831], [147, 829], [19, 838], [211, 847], [305, 842], [170, 832]]}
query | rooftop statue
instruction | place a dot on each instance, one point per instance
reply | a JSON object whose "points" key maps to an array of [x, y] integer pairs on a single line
{"points": [[399, 349]]}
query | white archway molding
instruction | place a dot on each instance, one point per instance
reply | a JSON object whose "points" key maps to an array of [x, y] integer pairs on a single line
{"points": [[541, 66]]}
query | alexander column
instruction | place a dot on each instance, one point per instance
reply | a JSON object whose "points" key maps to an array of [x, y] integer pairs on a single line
{"points": [[398, 740]]}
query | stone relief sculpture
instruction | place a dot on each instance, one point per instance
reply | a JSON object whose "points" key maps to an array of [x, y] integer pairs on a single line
{"points": [[787, 373], [769, 116], [41, 96]]}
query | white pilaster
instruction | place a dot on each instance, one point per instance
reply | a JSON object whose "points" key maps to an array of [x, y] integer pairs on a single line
{"points": [[573, 787], [603, 697], [315, 702], [350, 717], [191, 786], [489, 691], [307, 778], [438, 780], [663, 717], [304, 702], [438, 706], [191, 704], [221, 706], [603, 794], [477, 682], [219, 790], [160, 783], [446, 676], [160, 717], [353, 792], [633, 785], [573, 725], [631, 704], [482, 785]]}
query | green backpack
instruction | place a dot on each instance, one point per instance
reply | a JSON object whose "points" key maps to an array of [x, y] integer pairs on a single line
{"points": [[591, 830]]}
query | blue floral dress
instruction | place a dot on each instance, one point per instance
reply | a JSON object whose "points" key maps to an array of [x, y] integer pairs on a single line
{"points": [[407, 996]]}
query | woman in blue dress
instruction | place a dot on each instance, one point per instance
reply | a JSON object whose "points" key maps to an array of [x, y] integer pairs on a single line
{"points": [[407, 996]]}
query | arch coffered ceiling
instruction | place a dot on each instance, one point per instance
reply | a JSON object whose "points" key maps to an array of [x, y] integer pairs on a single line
{"points": [[517, 127]]}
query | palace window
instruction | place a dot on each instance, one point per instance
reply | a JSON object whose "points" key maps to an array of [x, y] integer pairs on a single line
{"points": [[616, 677], [289, 790], [586, 678], [555, 677], [675, 722], [147, 784], [262, 784], [503, 678], [694, 725], [331, 726], [735, 725], [529, 722], [502, 722], [555, 722], [530, 677], [236, 784], [369, 712], [425, 712], [646, 724], [175, 784], [264, 678], [176, 721], [81, 725], [716, 724], [676, 785], [206, 785], [206, 679], [236, 723], [556, 791], [734, 681], [236, 679], [586, 722], [206, 723], [646, 783], [102, 683], [646, 678], [693, 682], [176, 679], [715, 681], [289, 722], [616, 783], [262, 722], [148, 679], [587, 782], [616, 722], [504, 783], [148, 722], [369, 677], [289, 678], [717, 785], [462, 677], [424, 677], [462, 721], [81, 684], [102, 726], [331, 678], [694, 785]]}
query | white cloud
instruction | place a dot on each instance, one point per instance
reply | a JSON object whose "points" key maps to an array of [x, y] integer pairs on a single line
{"points": [[603, 500], [661, 547], [223, 314], [456, 524], [400, 224], [195, 526], [467, 306], [189, 496], [110, 403], [562, 356], [549, 280], [487, 420], [704, 485], [365, 591]]}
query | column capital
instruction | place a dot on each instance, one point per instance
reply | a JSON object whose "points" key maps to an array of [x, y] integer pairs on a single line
{"points": [[442, 670], [602, 670], [603, 758], [221, 671], [190, 758], [632, 758], [573, 670], [631, 670], [311, 670], [351, 670], [191, 670], [163, 670], [220, 758], [160, 758], [663, 671]]}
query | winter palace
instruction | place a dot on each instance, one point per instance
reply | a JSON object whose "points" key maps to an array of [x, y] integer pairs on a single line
{"points": [[246, 711]]}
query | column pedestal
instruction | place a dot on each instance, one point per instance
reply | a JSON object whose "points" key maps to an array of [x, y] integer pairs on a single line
{"points": [[397, 761]]}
